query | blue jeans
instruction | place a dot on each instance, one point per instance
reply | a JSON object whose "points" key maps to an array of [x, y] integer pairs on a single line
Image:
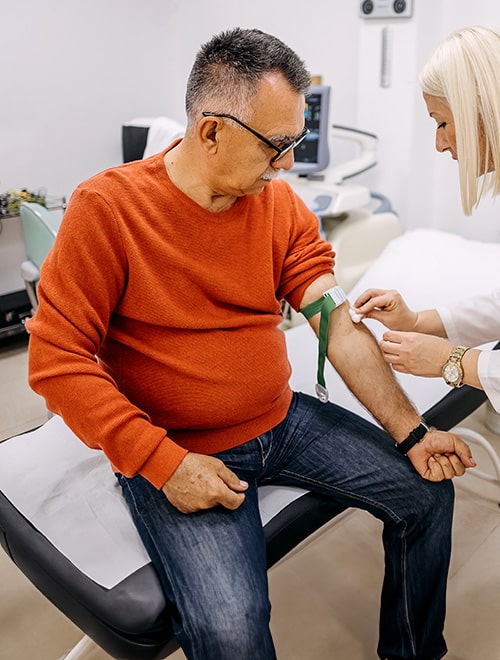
{"points": [[212, 564]]}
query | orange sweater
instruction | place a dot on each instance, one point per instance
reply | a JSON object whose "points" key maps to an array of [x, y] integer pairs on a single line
{"points": [[180, 306]]}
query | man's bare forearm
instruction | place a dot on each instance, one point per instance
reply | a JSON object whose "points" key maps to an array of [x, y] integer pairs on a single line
{"points": [[355, 354]]}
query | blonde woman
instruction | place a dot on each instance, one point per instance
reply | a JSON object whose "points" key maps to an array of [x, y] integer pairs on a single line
{"points": [[462, 92]]}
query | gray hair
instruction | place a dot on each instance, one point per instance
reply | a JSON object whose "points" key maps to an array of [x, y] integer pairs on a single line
{"points": [[228, 69], [464, 72]]}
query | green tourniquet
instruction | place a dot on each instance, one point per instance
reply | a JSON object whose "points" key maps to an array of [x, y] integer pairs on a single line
{"points": [[325, 305], [313, 308]]}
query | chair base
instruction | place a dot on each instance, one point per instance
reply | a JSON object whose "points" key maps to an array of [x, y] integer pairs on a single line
{"points": [[81, 650]]}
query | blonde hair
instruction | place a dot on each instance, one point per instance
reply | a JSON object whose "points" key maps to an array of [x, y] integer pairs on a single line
{"points": [[464, 72]]}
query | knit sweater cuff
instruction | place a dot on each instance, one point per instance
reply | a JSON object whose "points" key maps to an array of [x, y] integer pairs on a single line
{"points": [[162, 463]]}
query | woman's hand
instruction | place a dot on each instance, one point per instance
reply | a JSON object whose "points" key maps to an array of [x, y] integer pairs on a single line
{"points": [[387, 307], [415, 353]]}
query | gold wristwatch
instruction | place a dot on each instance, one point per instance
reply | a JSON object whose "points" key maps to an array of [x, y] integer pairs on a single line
{"points": [[452, 371]]}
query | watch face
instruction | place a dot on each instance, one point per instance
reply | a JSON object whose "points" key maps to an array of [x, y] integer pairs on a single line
{"points": [[452, 373]]}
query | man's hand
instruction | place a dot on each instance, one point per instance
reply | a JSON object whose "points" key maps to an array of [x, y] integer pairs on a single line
{"points": [[441, 455], [202, 482]]}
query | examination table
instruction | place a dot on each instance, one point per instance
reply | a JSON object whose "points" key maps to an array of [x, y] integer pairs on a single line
{"points": [[63, 520]]}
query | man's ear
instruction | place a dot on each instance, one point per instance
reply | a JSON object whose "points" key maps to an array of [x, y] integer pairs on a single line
{"points": [[208, 133]]}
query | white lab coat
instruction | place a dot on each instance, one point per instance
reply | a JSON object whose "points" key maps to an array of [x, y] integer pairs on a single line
{"points": [[474, 322]]}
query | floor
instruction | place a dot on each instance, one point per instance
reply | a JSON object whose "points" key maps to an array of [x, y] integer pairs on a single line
{"points": [[325, 596]]}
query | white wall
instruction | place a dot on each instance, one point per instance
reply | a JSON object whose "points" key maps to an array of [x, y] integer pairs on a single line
{"points": [[74, 70], [323, 32]]}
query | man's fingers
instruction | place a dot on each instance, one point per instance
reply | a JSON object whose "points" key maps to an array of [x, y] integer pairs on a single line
{"points": [[457, 464], [231, 479], [231, 500], [450, 464], [435, 472], [464, 453], [233, 493]]}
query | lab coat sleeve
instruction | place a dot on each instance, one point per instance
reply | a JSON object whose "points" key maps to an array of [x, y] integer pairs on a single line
{"points": [[473, 322], [488, 369]]}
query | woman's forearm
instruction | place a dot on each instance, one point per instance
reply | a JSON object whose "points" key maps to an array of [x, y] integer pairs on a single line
{"points": [[429, 323]]}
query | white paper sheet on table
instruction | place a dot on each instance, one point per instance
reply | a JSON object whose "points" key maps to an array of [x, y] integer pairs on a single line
{"points": [[69, 492]]}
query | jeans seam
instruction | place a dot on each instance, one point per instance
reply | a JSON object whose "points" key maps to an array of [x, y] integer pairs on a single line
{"points": [[405, 592], [340, 491], [263, 454]]}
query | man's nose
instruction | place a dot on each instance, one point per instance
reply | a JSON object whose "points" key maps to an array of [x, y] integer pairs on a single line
{"points": [[286, 162]]}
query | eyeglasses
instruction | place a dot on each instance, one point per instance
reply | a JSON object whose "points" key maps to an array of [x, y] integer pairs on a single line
{"points": [[281, 151]]}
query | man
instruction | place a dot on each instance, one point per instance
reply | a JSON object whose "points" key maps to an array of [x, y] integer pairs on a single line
{"points": [[157, 340]]}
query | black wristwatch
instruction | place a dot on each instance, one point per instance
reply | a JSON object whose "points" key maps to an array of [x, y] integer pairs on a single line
{"points": [[414, 437]]}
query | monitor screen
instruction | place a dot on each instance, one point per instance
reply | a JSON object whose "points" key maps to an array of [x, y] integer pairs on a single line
{"points": [[313, 154]]}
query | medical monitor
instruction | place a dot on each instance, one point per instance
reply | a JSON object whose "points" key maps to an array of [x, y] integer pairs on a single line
{"points": [[313, 154]]}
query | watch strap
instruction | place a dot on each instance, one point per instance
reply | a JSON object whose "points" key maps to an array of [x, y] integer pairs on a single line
{"points": [[456, 358], [413, 438]]}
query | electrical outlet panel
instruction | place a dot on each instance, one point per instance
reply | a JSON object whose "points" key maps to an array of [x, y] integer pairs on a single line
{"points": [[386, 8]]}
